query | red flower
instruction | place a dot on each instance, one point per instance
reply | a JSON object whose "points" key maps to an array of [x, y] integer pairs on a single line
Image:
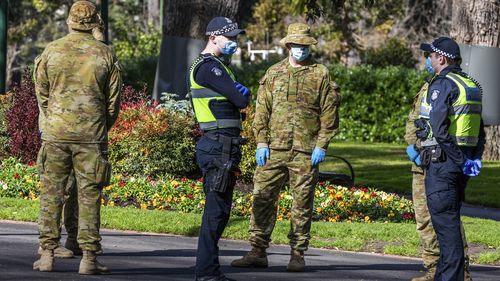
{"points": [[364, 189], [190, 196], [17, 176], [121, 183], [352, 189], [321, 183], [339, 198], [373, 195], [184, 179], [31, 163], [407, 216]]}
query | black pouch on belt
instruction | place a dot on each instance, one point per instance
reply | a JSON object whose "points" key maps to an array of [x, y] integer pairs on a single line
{"points": [[220, 176]]}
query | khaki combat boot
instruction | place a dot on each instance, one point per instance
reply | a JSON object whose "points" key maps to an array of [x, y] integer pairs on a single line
{"points": [[257, 257], [59, 252], [90, 265], [429, 275], [72, 245], [45, 262], [297, 262]]}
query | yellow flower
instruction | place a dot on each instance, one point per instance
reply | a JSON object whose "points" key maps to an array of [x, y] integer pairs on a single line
{"points": [[108, 187], [319, 209], [141, 194], [386, 221], [111, 203], [389, 199], [402, 205], [144, 206], [367, 218]]}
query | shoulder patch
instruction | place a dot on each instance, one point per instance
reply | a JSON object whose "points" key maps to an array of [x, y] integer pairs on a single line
{"points": [[217, 71], [434, 95]]}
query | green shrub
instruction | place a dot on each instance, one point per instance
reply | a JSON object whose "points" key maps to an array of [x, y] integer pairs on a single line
{"points": [[5, 102], [139, 71], [151, 141], [394, 52], [375, 101]]}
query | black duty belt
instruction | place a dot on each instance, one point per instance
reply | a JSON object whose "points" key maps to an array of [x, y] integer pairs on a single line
{"points": [[226, 139]]}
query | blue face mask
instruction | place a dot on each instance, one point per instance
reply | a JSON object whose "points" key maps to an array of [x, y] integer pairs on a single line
{"points": [[229, 48], [300, 53], [428, 66]]}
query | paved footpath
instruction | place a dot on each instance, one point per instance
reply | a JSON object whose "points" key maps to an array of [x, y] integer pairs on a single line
{"points": [[144, 256]]}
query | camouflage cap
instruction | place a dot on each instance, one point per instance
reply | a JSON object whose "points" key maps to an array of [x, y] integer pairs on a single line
{"points": [[83, 16], [299, 33]]}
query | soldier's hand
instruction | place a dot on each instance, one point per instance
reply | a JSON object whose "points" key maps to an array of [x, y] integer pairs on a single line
{"points": [[261, 156], [318, 156]]}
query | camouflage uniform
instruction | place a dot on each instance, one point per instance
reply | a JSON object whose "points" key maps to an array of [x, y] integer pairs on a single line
{"points": [[78, 83], [296, 111], [428, 237]]}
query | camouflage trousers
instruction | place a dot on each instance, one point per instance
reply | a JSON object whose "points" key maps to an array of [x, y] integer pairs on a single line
{"points": [[428, 237], [71, 208], [56, 161], [283, 165]]}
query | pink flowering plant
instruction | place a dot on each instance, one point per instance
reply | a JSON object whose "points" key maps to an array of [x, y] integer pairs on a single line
{"points": [[332, 203]]}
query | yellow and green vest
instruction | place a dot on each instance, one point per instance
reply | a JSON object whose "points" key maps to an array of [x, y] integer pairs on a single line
{"points": [[465, 116], [202, 97]]}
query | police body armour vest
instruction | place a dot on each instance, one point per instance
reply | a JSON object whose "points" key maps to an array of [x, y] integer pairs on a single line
{"points": [[212, 110], [465, 117]]}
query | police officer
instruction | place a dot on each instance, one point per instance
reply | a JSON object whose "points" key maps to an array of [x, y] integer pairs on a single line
{"points": [[217, 99], [451, 134], [296, 116], [428, 237], [77, 83]]}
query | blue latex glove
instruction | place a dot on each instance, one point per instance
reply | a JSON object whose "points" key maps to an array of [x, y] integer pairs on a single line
{"points": [[261, 155], [242, 89], [413, 154], [478, 165], [470, 168], [317, 156]]}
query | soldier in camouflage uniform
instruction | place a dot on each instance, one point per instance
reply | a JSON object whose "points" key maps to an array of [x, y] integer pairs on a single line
{"points": [[78, 81], [428, 237], [296, 117]]}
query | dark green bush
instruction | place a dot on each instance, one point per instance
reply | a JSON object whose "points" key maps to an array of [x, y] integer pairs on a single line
{"points": [[137, 71], [5, 102], [394, 52], [375, 101]]}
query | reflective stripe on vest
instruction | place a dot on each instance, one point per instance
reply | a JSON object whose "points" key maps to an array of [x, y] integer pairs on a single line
{"points": [[201, 97]]}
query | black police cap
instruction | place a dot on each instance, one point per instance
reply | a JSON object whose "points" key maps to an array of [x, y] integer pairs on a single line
{"points": [[223, 26], [444, 46]]}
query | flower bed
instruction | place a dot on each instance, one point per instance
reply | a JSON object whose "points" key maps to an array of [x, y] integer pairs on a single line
{"points": [[331, 203]]}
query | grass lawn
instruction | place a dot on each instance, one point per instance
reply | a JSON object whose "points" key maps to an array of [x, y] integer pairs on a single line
{"points": [[391, 238], [386, 167]]}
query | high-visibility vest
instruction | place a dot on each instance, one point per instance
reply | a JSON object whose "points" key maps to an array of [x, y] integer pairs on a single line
{"points": [[465, 116], [203, 100]]}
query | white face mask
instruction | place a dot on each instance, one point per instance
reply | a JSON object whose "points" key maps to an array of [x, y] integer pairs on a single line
{"points": [[300, 53]]}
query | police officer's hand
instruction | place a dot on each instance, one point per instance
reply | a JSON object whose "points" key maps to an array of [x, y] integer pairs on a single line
{"points": [[261, 155], [318, 156], [478, 165], [470, 168], [242, 89]]}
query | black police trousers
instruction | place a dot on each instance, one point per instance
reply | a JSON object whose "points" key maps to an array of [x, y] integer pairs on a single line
{"points": [[445, 185], [217, 206]]}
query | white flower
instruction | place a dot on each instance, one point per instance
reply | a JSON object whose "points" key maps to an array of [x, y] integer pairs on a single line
{"points": [[4, 185]]}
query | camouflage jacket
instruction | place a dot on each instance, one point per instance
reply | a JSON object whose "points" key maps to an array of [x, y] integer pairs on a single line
{"points": [[77, 83], [297, 108], [411, 129]]}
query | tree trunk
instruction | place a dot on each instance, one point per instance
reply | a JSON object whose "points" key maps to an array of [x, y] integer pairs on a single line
{"points": [[154, 12], [478, 23], [189, 18]]}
